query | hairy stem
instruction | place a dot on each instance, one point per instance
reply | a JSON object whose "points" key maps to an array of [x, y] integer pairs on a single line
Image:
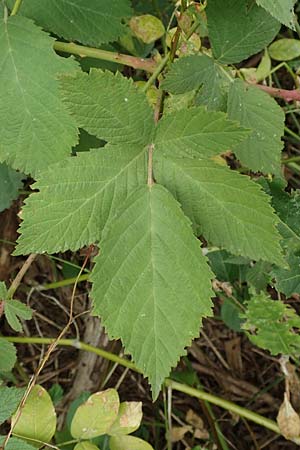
{"points": [[149, 65]]}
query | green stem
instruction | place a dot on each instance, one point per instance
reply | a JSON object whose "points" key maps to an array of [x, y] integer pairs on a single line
{"points": [[225, 404], [289, 160], [197, 393], [16, 7], [76, 344], [149, 65], [156, 73], [63, 283]]}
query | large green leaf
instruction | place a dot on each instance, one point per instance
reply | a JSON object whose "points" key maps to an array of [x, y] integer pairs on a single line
{"points": [[109, 106], [38, 419], [10, 183], [9, 400], [91, 22], [282, 10], [197, 132], [273, 325], [238, 29], [256, 110], [151, 283], [35, 128], [8, 356], [78, 197], [232, 211], [191, 72]]}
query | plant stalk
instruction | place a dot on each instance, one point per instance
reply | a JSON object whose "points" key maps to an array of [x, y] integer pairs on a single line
{"points": [[16, 7], [149, 65]]}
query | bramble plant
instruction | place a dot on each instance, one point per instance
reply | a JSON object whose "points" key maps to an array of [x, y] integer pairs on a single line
{"points": [[139, 165]]}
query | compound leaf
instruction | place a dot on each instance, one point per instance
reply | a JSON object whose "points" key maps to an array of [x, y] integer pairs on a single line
{"points": [[151, 283], [197, 132], [35, 128], [10, 397], [191, 72], [78, 197], [256, 110], [10, 183], [38, 418], [92, 22], [272, 325], [282, 10], [238, 29], [232, 211], [109, 106]]}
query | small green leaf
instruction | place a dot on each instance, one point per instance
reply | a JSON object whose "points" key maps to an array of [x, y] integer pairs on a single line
{"points": [[128, 420], [154, 289], [192, 72], [272, 325], [15, 310], [282, 10], [38, 419], [254, 109], [128, 443], [91, 22], [285, 49], [86, 445], [95, 417], [147, 28], [288, 280], [197, 132], [9, 401], [238, 29], [10, 183], [8, 355]]}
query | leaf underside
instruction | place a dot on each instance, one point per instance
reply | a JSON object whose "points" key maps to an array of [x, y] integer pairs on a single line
{"points": [[35, 128], [238, 29], [151, 283], [282, 10], [91, 22], [256, 110]]}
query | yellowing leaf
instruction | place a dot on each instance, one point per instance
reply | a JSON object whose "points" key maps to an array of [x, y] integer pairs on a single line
{"points": [[128, 443], [38, 419], [285, 49], [147, 28], [95, 417], [128, 420]]}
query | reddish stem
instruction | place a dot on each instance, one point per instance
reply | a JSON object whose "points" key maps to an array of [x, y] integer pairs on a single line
{"points": [[285, 94]]}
